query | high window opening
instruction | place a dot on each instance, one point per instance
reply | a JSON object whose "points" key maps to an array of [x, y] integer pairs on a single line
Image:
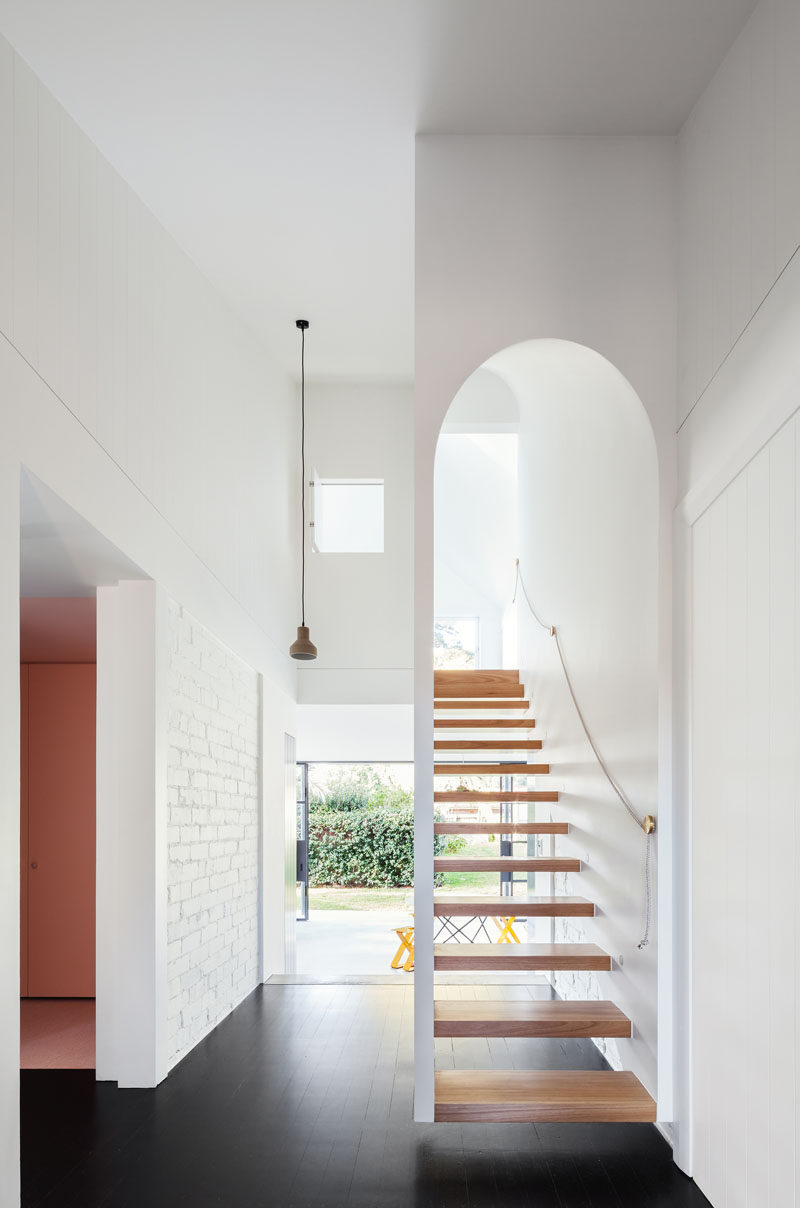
{"points": [[456, 642], [348, 515], [475, 548]]}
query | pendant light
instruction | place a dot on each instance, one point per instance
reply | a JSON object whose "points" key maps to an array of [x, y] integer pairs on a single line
{"points": [[303, 648]]}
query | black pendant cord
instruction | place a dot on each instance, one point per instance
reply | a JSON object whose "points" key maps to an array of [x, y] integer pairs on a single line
{"points": [[303, 472]]}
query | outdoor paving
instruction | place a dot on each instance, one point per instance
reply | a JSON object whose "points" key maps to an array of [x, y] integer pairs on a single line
{"points": [[343, 942], [332, 942]]}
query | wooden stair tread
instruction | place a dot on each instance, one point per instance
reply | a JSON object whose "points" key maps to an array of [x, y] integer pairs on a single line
{"points": [[499, 1017], [506, 864], [589, 1096], [481, 704], [484, 723], [524, 906], [487, 744], [529, 957], [501, 828], [491, 769], [495, 795], [483, 682]]}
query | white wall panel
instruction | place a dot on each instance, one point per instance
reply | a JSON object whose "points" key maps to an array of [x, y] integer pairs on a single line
{"points": [[746, 712], [6, 185], [26, 193], [136, 344], [131, 390], [740, 192]]}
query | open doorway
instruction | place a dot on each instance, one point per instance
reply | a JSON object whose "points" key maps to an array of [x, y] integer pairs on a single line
{"points": [[355, 867], [63, 561], [57, 830]]}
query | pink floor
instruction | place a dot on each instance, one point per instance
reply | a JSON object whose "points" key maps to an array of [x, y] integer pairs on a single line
{"points": [[56, 1034]]}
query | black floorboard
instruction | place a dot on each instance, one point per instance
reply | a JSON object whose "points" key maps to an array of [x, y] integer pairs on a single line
{"points": [[302, 1098]]}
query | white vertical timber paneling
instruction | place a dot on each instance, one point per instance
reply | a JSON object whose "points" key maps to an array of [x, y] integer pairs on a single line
{"points": [[787, 116], [715, 875], [104, 330], [762, 150], [736, 114], [26, 202], [148, 417], [746, 717], [135, 428], [735, 827], [709, 878], [6, 187], [87, 284], [49, 239], [756, 1114], [68, 387], [781, 821], [118, 403], [796, 728]]}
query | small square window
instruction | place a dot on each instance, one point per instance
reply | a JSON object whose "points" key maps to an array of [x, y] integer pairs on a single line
{"points": [[348, 516]]}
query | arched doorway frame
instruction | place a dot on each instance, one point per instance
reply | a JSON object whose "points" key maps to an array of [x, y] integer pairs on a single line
{"points": [[674, 948]]}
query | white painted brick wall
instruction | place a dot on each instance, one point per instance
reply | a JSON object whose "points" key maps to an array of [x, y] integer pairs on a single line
{"points": [[579, 983], [213, 820]]}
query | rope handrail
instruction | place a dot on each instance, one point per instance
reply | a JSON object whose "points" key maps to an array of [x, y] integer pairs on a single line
{"points": [[646, 822]]}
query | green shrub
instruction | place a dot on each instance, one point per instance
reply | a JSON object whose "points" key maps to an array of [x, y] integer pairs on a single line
{"points": [[370, 848]]}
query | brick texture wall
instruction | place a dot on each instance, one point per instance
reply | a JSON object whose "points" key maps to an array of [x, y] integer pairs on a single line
{"points": [[213, 779], [580, 983]]}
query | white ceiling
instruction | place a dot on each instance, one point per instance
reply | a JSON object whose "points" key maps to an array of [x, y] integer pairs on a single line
{"points": [[275, 140], [61, 553]]}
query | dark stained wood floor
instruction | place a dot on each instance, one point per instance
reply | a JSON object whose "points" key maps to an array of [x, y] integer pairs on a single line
{"points": [[302, 1099]]}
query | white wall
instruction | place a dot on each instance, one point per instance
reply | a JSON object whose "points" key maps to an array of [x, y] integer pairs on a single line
{"points": [[735, 530], [519, 238], [483, 404], [746, 846], [130, 390], [740, 192], [588, 506], [355, 733], [213, 832], [359, 606], [475, 532]]}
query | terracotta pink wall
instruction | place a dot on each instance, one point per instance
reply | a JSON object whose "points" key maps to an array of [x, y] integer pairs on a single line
{"points": [[58, 812]]}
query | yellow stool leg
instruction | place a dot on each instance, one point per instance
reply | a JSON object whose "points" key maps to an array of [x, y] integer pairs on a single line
{"points": [[404, 934], [507, 933]]}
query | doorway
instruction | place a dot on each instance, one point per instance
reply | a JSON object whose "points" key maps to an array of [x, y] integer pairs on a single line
{"points": [[355, 827], [63, 560], [57, 832]]}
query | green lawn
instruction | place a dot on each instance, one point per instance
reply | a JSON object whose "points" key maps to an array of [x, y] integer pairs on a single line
{"points": [[335, 897]]}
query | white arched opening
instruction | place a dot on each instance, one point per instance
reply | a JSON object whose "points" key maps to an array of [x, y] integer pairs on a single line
{"points": [[585, 524]]}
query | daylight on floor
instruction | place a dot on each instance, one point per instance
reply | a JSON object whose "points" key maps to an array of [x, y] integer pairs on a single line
{"points": [[398, 432]]}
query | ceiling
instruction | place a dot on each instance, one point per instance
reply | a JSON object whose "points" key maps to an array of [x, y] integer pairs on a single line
{"points": [[275, 140], [61, 553]]}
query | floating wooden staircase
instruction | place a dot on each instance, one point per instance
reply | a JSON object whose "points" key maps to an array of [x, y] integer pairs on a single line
{"points": [[536, 1096], [499, 1017], [514, 1095], [452, 905]]}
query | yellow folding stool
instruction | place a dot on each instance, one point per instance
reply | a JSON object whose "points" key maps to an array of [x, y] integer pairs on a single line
{"points": [[406, 938], [506, 927]]}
